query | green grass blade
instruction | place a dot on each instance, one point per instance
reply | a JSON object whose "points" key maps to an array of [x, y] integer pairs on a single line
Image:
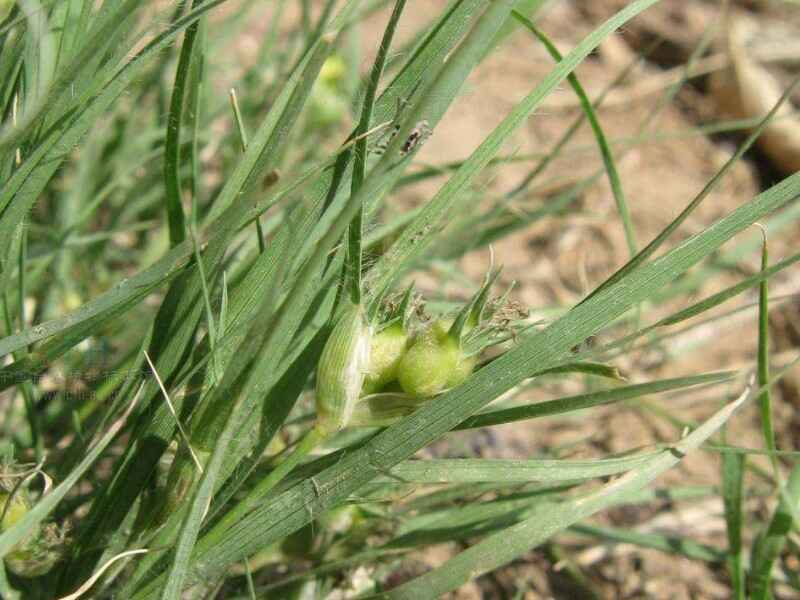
{"points": [[658, 241], [210, 321], [728, 293], [467, 470], [582, 401], [605, 151], [418, 235], [512, 542], [546, 158], [588, 368], [771, 542], [242, 131], [708, 303], [732, 486], [354, 249], [290, 510], [198, 505], [765, 398], [666, 543], [172, 142]]}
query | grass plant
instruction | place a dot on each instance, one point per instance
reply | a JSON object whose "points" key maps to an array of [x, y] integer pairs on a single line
{"points": [[183, 238]]}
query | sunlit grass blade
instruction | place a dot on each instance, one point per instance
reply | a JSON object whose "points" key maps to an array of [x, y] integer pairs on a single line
{"points": [[465, 470], [605, 151], [771, 542], [658, 241], [765, 398], [732, 488], [354, 249], [418, 235], [289, 510], [587, 368], [680, 545], [199, 503], [242, 131], [510, 543], [580, 402], [172, 158], [707, 304]]}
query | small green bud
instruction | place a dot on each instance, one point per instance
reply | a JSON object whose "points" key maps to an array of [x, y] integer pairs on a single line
{"points": [[428, 365], [333, 70], [434, 362], [5, 8], [40, 550], [464, 365], [386, 350], [14, 508], [342, 369]]}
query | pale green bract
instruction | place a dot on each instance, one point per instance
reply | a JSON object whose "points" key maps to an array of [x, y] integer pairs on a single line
{"points": [[342, 369]]}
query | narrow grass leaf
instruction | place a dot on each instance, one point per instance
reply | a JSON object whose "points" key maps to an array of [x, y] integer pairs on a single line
{"points": [[506, 545], [765, 398], [290, 510], [172, 142], [771, 542], [672, 544], [198, 505], [591, 116], [708, 303], [583, 401], [354, 249], [419, 234], [587, 368], [467, 470], [732, 486], [658, 241]]}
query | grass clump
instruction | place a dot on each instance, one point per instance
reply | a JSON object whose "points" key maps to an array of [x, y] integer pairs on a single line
{"points": [[222, 273]]}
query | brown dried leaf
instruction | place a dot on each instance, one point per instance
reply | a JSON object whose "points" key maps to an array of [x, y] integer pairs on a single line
{"points": [[746, 90]]}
